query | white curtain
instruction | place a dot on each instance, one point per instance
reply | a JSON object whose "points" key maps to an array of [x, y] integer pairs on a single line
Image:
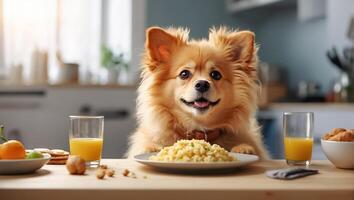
{"points": [[80, 33], [28, 24], [34, 24]]}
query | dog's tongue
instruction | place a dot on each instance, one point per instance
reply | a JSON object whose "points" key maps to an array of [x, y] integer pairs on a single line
{"points": [[201, 104]]}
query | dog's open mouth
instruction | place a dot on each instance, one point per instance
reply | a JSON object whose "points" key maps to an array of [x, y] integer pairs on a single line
{"points": [[200, 103]]}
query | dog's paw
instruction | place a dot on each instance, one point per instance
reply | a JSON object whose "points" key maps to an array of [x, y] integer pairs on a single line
{"points": [[244, 148], [152, 148]]}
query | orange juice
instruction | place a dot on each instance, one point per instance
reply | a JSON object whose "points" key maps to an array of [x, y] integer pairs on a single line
{"points": [[298, 148], [89, 149]]}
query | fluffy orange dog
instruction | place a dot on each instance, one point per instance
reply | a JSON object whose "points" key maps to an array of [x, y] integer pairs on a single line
{"points": [[205, 89]]}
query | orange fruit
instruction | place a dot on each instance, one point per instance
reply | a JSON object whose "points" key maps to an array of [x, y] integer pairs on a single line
{"points": [[12, 149]]}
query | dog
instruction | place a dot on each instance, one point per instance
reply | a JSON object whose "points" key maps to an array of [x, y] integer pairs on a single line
{"points": [[198, 89]]}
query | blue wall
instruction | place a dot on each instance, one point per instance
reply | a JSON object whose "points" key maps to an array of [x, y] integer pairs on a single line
{"points": [[299, 47], [198, 15]]}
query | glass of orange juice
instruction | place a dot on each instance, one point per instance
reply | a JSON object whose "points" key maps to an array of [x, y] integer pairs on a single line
{"points": [[86, 138], [298, 137]]}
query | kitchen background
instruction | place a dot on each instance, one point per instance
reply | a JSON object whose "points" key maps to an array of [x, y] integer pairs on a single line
{"points": [[62, 57]]}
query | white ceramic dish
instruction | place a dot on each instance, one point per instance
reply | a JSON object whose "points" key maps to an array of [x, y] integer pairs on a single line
{"points": [[341, 154], [23, 166], [242, 160]]}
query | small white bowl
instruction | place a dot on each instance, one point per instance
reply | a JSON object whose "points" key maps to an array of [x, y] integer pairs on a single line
{"points": [[341, 154]]}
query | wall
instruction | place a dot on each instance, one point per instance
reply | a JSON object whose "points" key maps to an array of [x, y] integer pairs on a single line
{"points": [[338, 15], [198, 15], [299, 47]]}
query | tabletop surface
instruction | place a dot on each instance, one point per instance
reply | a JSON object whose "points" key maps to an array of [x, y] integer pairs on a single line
{"points": [[250, 182]]}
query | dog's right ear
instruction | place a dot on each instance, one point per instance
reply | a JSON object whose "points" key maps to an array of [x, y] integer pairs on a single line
{"points": [[160, 44]]}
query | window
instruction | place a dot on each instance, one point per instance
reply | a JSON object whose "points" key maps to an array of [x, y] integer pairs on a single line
{"points": [[77, 29]]}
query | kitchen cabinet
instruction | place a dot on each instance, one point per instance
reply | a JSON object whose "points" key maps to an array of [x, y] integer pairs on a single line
{"points": [[242, 5], [306, 9], [39, 116]]}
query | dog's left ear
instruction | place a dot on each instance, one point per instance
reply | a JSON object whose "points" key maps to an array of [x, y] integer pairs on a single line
{"points": [[239, 46]]}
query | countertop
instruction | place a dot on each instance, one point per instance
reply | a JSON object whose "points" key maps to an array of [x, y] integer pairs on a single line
{"points": [[53, 182]]}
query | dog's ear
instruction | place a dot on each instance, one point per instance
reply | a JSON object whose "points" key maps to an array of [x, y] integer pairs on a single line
{"points": [[238, 46], [242, 46], [160, 44]]}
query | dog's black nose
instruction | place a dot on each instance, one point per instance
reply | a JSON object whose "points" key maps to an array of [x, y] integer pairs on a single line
{"points": [[202, 86]]}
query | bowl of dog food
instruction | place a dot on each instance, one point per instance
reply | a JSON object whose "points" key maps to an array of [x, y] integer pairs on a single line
{"points": [[338, 146]]}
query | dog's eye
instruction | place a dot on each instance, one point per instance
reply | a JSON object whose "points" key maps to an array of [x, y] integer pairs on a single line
{"points": [[185, 74], [215, 75]]}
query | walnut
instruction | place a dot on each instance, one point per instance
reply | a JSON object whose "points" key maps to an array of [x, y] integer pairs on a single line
{"points": [[100, 173], [126, 172], [103, 166], [110, 172], [76, 165]]}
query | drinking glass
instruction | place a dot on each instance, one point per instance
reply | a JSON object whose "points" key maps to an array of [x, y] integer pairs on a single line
{"points": [[86, 138], [298, 137]]}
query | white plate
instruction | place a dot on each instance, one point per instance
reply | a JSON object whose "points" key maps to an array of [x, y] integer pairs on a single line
{"points": [[22, 166], [242, 160]]}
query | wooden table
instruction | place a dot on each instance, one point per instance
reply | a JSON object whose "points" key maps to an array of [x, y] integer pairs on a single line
{"points": [[53, 182]]}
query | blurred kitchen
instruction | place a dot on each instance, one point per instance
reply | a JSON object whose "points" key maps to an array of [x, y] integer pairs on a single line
{"points": [[63, 57]]}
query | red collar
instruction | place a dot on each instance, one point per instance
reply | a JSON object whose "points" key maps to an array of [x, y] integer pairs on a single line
{"points": [[209, 135]]}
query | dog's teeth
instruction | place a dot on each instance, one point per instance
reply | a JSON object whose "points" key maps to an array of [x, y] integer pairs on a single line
{"points": [[201, 104]]}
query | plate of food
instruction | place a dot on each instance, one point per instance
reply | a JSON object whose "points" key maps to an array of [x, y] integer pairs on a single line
{"points": [[195, 155], [15, 159], [23, 166]]}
